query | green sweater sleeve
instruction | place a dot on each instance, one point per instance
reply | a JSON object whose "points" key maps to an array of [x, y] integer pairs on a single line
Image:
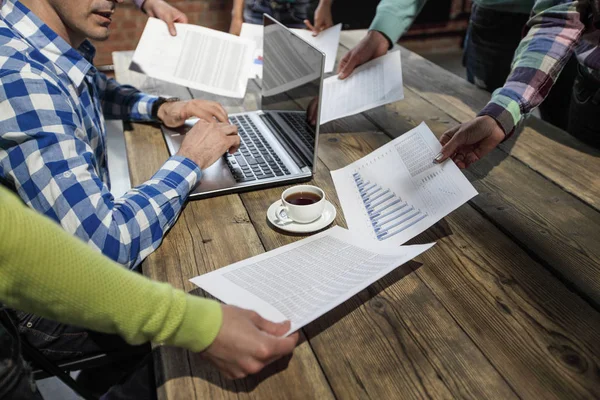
{"points": [[394, 17], [45, 271]]}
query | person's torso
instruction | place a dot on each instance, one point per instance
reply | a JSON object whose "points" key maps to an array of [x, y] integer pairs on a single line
{"points": [[516, 6], [20, 55]]}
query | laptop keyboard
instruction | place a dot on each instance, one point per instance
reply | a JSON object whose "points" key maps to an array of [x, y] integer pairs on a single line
{"points": [[298, 122], [255, 158]]}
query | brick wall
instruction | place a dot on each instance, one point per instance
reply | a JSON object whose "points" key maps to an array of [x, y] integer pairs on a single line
{"points": [[128, 23]]}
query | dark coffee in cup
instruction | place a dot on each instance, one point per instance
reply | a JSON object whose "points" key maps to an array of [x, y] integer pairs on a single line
{"points": [[303, 198]]}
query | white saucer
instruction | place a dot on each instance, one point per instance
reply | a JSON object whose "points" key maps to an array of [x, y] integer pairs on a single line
{"points": [[324, 220]]}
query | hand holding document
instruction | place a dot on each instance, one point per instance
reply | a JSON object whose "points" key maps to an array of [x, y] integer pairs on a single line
{"points": [[198, 58], [373, 84], [397, 192], [327, 41], [303, 280]]}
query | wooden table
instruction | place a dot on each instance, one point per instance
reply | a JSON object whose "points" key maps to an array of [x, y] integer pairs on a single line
{"points": [[505, 306]]}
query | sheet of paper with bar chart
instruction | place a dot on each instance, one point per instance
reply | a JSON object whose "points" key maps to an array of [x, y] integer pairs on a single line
{"points": [[397, 192]]}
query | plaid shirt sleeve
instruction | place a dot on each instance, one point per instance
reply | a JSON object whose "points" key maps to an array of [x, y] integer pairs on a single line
{"points": [[44, 153], [123, 101], [555, 29]]}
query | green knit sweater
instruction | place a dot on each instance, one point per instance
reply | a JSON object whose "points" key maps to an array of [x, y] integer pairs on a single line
{"points": [[45, 271]]}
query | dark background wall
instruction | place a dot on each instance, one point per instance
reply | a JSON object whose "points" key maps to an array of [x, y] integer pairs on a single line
{"points": [[441, 24], [128, 23]]}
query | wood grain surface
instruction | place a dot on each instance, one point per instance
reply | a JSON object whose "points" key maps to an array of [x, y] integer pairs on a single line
{"points": [[504, 306], [556, 227]]}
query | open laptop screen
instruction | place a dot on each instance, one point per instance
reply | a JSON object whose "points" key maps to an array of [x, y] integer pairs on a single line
{"points": [[291, 85]]}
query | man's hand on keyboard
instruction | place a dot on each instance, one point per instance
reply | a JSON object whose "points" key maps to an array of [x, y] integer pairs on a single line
{"points": [[206, 142], [174, 114], [247, 343]]}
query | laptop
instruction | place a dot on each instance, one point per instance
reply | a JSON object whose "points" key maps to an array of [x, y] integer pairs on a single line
{"points": [[278, 144]]}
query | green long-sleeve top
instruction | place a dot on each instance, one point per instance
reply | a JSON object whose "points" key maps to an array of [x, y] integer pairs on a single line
{"points": [[45, 271], [394, 17]]}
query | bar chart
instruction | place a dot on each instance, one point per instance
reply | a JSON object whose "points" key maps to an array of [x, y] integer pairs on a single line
{"points": [[388, 213]]}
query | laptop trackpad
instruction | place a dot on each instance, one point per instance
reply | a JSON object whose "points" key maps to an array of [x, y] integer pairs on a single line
{"points": [[215, 177]]}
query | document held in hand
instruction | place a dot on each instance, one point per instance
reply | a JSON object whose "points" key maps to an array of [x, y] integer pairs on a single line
{"points": [[373, 84], [396, 192], [198, 58], [303, 280]]}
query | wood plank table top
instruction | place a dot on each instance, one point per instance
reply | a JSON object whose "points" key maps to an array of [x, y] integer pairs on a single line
{"points": [[505, 306]]}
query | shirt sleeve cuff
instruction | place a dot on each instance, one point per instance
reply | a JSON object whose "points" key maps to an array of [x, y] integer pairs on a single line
{"points": [[179, 173], [142, 108], [388, 25], [139, 3], [505, 111], [200, 326]]}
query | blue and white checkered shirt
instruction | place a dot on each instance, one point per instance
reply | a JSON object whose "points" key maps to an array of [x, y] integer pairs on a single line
{"points": [[53, 143]]}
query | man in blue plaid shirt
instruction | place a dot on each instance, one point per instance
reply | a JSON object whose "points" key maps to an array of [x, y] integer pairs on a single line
{"points": [[53, 103]]}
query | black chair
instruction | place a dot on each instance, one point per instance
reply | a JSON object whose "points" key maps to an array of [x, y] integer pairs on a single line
{"points": [[44, 368]]}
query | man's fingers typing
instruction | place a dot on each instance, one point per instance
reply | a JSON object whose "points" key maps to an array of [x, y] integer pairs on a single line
{"points": [[218, 112], [234, 143], [207, 110], [228, 129], [205, 115]]}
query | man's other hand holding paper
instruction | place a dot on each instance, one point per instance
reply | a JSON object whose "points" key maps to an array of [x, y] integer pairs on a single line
{"points": [[206, 142]]}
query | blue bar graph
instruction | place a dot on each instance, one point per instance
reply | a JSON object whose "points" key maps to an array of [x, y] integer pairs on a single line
{"points": [[389, 214]]}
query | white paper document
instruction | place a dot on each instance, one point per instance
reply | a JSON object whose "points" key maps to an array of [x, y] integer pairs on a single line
{"points": [[198, 58], [327, 42], [373, 84], [254, 32], [303, 280], [397, 192]]}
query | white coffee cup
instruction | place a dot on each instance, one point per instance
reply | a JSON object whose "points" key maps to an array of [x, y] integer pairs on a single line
{"points": [[288, 212]]}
